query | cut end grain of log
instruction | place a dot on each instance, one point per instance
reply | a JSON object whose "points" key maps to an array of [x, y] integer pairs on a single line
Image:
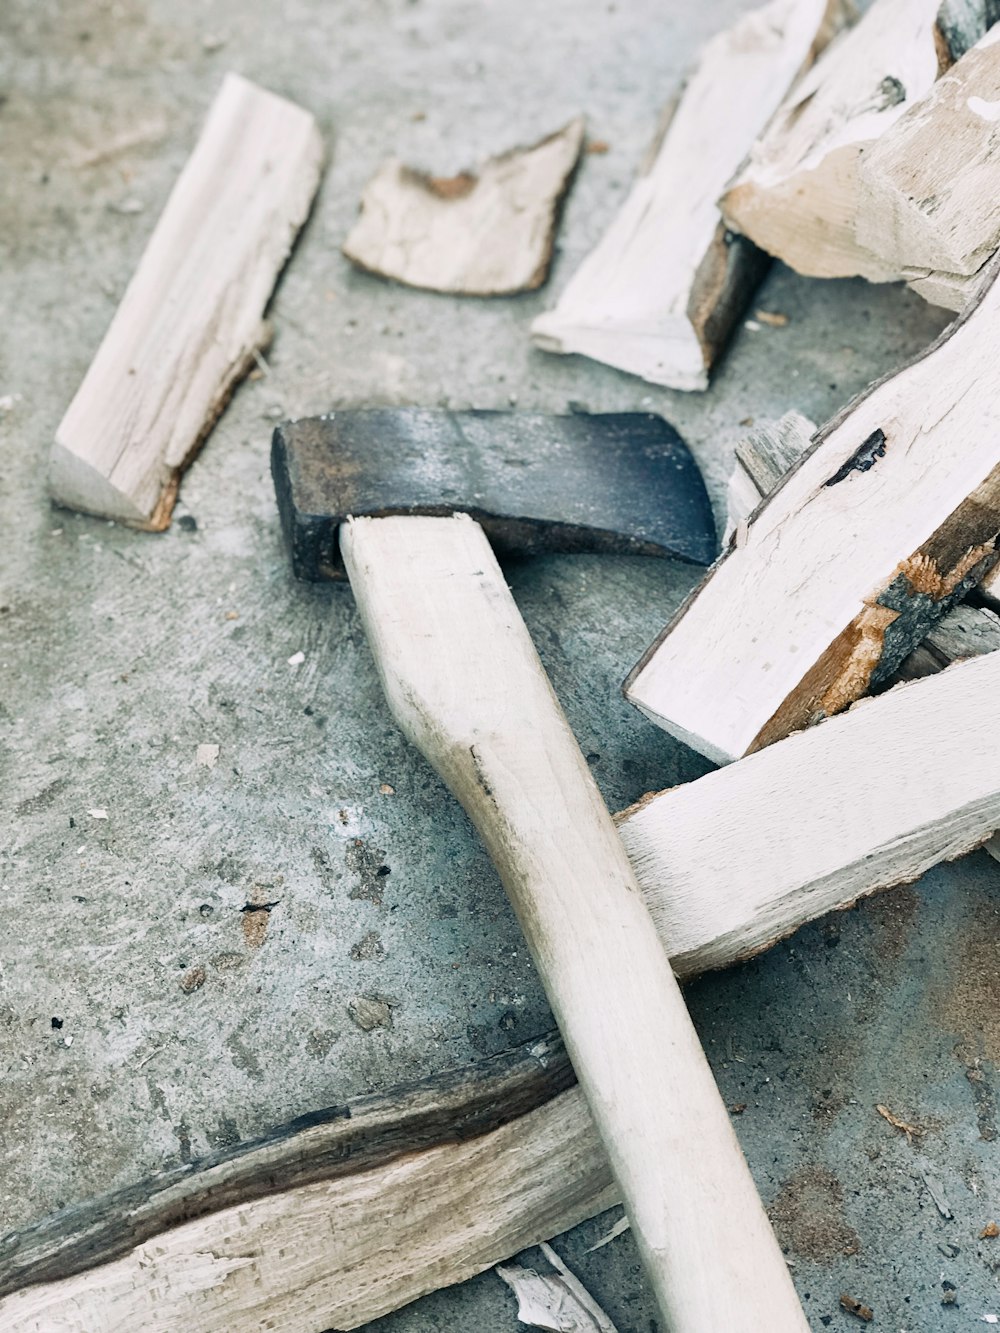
{"points": [[662, 291], [190, 323], [488, 233]]}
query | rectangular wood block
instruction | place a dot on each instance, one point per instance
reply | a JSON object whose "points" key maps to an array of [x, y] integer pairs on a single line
{"points": [[192, 316]]}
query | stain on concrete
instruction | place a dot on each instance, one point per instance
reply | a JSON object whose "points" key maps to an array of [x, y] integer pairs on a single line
{"points": [[320, 1042], [969, 1003], [891, 916], [368, 865], [243, 1057], [371, 1011], [369, 949], [808, 1219], [225, 1135], [32, 805]]}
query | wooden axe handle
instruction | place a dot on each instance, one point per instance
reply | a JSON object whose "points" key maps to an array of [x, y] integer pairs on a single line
{"points": [[466, 686]]}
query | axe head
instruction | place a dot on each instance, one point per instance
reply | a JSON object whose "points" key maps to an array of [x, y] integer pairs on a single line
{"points": [[620, 482]]}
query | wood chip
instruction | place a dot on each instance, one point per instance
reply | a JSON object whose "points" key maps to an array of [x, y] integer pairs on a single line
{"points": [[856, 1307], [774, 318], [990, 1231], [619, 1229], [554, 1301], [911, 1131], [191, 319], [664, 288], [936, 1190], [483, 234]]}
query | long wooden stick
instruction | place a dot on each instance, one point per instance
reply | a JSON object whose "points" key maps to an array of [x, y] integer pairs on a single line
{"points": [[722, 890], [466, 686], [192, 317], [886, 523]]}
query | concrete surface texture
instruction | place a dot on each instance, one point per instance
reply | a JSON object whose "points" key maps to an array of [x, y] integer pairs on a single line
{"points": [[122, 653]]}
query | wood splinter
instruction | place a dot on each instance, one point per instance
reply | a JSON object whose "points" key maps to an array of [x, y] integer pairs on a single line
{"points": [[191, 322]]}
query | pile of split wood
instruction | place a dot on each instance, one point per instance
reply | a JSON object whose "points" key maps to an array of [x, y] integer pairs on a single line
{"points": [[860, 561]]}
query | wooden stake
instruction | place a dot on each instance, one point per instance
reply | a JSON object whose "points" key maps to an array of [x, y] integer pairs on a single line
{"points": [[660, 294], [888, 521], [191, 320], [797, 196]]}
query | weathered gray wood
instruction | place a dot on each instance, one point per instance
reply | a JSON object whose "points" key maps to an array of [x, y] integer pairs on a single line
{"points": [[483, 234], [884, 525], [191, 320], [763, 457]]}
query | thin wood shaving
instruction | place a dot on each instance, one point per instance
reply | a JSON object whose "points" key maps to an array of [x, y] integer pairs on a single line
{"points": [[990, 1231], [558, 1302], [911, 1131], [772, 317], [619, 1228]]}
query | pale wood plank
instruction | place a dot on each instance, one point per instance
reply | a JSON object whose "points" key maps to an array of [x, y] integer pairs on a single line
{"points": [[483, 234], [888, 521], [797, 195], [864, 801], [660, 294], [465, 684], [928, 189], [191, 318]]}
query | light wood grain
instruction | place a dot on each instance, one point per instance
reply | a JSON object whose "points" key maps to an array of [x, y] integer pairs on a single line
{"points": [[928, 188], [393, 1195], [336, 1254], [797, 196], [192, 316], [466, 686], [886, 523], [479, 234], [864, 801], [660, 294]]}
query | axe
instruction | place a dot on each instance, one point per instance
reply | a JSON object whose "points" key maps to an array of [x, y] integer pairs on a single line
{"points": [[392, 497]]}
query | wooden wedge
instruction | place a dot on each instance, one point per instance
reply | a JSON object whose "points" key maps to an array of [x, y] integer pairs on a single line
{"points": [[192, 318], [661, 292], [885, 524]]}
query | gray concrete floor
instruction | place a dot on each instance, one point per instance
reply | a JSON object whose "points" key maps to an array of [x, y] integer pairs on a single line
{"points": [[120, 656]]}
